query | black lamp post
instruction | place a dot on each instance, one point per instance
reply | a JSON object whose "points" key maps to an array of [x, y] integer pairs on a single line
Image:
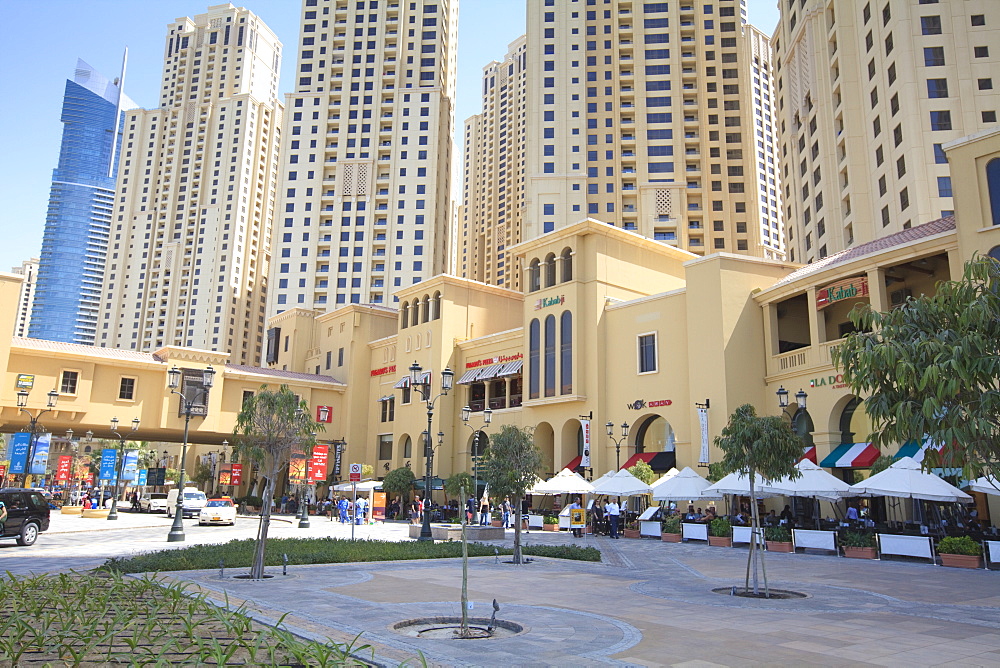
{"points": [[422, 384], [487, 418], [610, 426], [304, 505], [113, 515], [800, 399], [187, 407], [22, 401]]}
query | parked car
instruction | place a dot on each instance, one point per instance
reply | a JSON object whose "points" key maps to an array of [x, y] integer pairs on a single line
{"points": [[192, 502], [218, 511], [153, 502], [27, 514]]}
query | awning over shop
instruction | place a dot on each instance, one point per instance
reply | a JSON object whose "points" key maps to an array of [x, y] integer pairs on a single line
{"points": [[469, 376], [484, 373], [574, 463], [436, 483], [490, 372], [916, 450], [810, 454], [660, 462], [851, 456], [511, 368], [405, 380]]}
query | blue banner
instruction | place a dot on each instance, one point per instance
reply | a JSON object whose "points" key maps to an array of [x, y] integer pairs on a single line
{"points": [[142, 477], [19, 452], [109, 458], [40, 458], [131, 466]]}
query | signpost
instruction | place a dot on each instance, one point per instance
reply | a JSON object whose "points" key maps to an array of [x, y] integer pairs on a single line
{"points": [[355, 473]]}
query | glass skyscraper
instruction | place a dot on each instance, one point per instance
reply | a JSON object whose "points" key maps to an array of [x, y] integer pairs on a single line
{"points": [[75, 243]]}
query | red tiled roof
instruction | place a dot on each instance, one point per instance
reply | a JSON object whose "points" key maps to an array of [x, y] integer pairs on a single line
{"points": [[281, 373], [80, 349], [917, 233]]}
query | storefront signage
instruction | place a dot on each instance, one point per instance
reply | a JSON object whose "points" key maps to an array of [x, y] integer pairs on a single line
{"points": [[585, 457], [836, 292], [25, 381], [496, 359], [640, 404], [835, 382], [384, 370], [545, 302], [317, 464]]}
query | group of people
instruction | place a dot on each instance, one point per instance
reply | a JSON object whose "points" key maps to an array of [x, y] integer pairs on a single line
{"points": [[346, 510], [739, 518]]}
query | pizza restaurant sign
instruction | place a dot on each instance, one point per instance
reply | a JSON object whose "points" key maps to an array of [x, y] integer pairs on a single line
{"points": [[835, 382], [837, 292], [496, 359], [545, 302], [384, 370]]}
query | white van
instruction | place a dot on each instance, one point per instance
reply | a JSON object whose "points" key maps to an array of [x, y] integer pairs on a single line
{"points": [[194, 500]]}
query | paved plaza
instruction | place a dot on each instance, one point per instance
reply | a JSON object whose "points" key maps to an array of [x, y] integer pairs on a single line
{"points": [[647, 603]]}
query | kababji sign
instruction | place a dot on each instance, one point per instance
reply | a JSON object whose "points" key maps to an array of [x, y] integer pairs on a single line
{"points": [[545, 302], [836, 292]]}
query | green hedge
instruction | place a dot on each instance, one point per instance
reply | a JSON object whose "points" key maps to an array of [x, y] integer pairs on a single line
{"points": [[239, 553]]}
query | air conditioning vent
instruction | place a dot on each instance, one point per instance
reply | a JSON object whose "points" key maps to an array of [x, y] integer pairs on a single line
{"points": [[898, 297]]}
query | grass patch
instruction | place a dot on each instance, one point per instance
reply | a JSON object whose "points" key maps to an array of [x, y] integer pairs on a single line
{"points": [[107, 620], [301, 551]]}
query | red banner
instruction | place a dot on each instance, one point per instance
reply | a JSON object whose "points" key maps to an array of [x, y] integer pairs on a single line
{"points": [[225, 475], [318, 463], [3, 473], [64, 467], [237, 475]]}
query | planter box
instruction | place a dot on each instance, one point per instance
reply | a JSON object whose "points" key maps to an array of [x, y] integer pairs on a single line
{"points": [[71, 510], [496, 523], [550, 527], [96, 513], [632, 533], [670, 537], [961, 560], [720, 541], [860, 552], [775, 546]]}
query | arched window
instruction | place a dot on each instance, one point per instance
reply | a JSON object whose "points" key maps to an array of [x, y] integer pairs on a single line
{"points": [[436, 312], [534, 334], [550, 356], [566, 353], [567, 265], [533, 278], [995, 253], [550, 270], [427, 308], [404, 315], [415, 320], [993, 186]]}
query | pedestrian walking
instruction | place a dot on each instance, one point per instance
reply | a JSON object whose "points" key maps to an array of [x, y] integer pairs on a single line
{"points": [[613, 511]]}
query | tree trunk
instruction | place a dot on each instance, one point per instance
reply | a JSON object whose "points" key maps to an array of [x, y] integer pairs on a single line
{"points": [[257, 569], [756, 555], [517, 531]]}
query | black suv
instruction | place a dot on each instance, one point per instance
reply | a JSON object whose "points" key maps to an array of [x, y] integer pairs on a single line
{"points": [[27, 514]]}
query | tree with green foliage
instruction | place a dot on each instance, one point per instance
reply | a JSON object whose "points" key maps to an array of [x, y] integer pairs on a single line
{"points": [[454, 485], [202, 472], [763, 445], [642, 471], [399, 482], [510, 467], [270, 425], [931, 369]]}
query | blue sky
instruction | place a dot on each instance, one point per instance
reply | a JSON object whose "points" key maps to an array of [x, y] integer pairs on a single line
{"points": [[98, 30]]}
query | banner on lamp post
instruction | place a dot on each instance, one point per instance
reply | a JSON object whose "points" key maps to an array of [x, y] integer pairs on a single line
{"points": [[141, 481], [237, 478], [19, 444], [225, 475], [130, 469], [297, 466], [585, 456], [109, 459], [40, 457], [318, 463], [64, 468]]}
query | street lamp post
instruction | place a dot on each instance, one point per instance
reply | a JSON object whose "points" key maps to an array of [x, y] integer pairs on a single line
{"points": [[800, 400], [617, 441], [113, 515], [187, 407], [422, 385], [487, 418], [22, 402], [304, 500]]}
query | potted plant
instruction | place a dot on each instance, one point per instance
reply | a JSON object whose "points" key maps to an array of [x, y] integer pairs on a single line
{"points": [[631, 530], [858, 545], [960, 552], [670, 529], [778, 539], [550, 523], [720, 533]]}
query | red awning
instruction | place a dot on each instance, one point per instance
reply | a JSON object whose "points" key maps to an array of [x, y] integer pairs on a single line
{"points": [[639, 456], [573, 463], [810, 454]]}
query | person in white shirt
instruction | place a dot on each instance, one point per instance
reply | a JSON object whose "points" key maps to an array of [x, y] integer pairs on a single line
{"points": [[613, 511]]}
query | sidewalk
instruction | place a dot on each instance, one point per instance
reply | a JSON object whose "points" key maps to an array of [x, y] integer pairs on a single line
{"points": [[647, 603]]}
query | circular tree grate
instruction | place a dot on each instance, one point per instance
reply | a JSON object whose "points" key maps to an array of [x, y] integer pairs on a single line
{"points": [[774, 594]]}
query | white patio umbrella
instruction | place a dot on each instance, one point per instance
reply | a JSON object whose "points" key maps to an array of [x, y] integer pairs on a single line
{"points": [[621, 483], [737, 483], [907, 480], [814, 482], [364, 487], [665, 477], [986, 485], [687, 485], [564, 482]]}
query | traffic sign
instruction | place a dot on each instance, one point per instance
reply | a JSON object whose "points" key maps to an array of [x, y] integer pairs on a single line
{"points": [[355, 473]]}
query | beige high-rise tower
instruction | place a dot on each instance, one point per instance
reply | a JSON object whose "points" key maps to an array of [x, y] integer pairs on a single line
{"points": [[366, 158], [868, 93], [189, 248], [653, 117], [490, 218]]}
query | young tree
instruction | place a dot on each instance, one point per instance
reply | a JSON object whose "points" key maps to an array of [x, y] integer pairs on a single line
{"points": [[930, 368], [454, 485], [509, 468], [753, 445], [398, 482], [642, 471], [267, 428]]}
